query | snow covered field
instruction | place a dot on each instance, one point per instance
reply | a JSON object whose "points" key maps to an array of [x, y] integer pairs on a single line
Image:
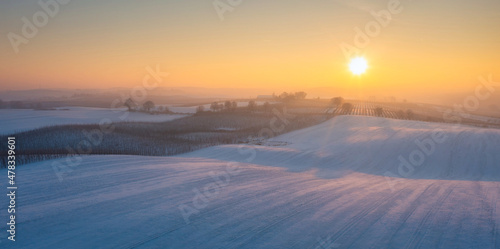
{"points": [[324, 188], [15, 120]]}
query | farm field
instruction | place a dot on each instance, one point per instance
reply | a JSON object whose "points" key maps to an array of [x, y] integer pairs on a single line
{"points": [[324, 186]]}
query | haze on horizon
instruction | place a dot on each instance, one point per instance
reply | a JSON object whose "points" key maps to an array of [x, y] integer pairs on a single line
{"points": [[440, 47]]}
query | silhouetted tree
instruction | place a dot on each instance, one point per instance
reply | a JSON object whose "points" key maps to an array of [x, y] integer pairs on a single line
{"points": [[266, 107], [16, 104], [283, 95], [227, 105], [289, 97], [251, 105], [200, 109], [347, 108], [234, 105], [215, 106], [337, 101], [300, 95], [379, 111], [148, 105], [130, 104]]}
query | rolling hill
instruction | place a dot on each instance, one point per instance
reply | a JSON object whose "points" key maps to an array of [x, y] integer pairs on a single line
{"points": [[340, 184]]}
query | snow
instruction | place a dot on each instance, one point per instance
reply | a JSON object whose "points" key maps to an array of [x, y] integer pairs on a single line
{"points": [[373, 145], [481, 118], [324, 187], [16, 120]]}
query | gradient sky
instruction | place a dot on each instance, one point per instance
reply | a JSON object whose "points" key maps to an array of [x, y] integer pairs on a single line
{"points": [[281, 44]]}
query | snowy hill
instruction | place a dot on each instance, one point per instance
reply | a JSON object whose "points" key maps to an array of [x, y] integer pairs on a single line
{"points": [[374, 146], [321, 187]]}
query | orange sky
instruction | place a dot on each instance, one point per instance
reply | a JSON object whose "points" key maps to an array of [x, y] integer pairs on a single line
{"points": [[285, 45]]}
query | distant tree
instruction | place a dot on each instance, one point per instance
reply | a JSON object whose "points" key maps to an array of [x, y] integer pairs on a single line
{"points": [[166, 109], [214, 106], [130, 104], [234, 105], [1, 103], [283, 95], [337, 101], [16, 104], [251, 105], [289, 97], [200, 109], [379, 111], [148, 105], [347, 108], [266, 107], [300, 95], [228, 105]]}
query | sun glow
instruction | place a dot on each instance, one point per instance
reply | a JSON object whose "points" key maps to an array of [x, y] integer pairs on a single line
{"points": [[358, 65]]}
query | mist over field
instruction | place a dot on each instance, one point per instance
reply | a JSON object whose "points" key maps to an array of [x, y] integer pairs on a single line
{"points": [[192, 95]]}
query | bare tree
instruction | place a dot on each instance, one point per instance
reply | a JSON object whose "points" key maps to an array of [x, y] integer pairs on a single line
{"points": [[148, 105], [347, 108], [337, 101], [266, 107], [17, 105], [130, 104], [251, 105], [283, 95], [287, 97], [300, 95], [200, 109], [214, 106], [227, 105]]}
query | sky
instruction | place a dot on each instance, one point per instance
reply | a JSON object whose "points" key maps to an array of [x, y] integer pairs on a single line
{"points": [[427, 45]]}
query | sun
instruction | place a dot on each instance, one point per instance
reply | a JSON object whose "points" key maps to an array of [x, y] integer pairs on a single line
{"points": [[358, 65]]}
